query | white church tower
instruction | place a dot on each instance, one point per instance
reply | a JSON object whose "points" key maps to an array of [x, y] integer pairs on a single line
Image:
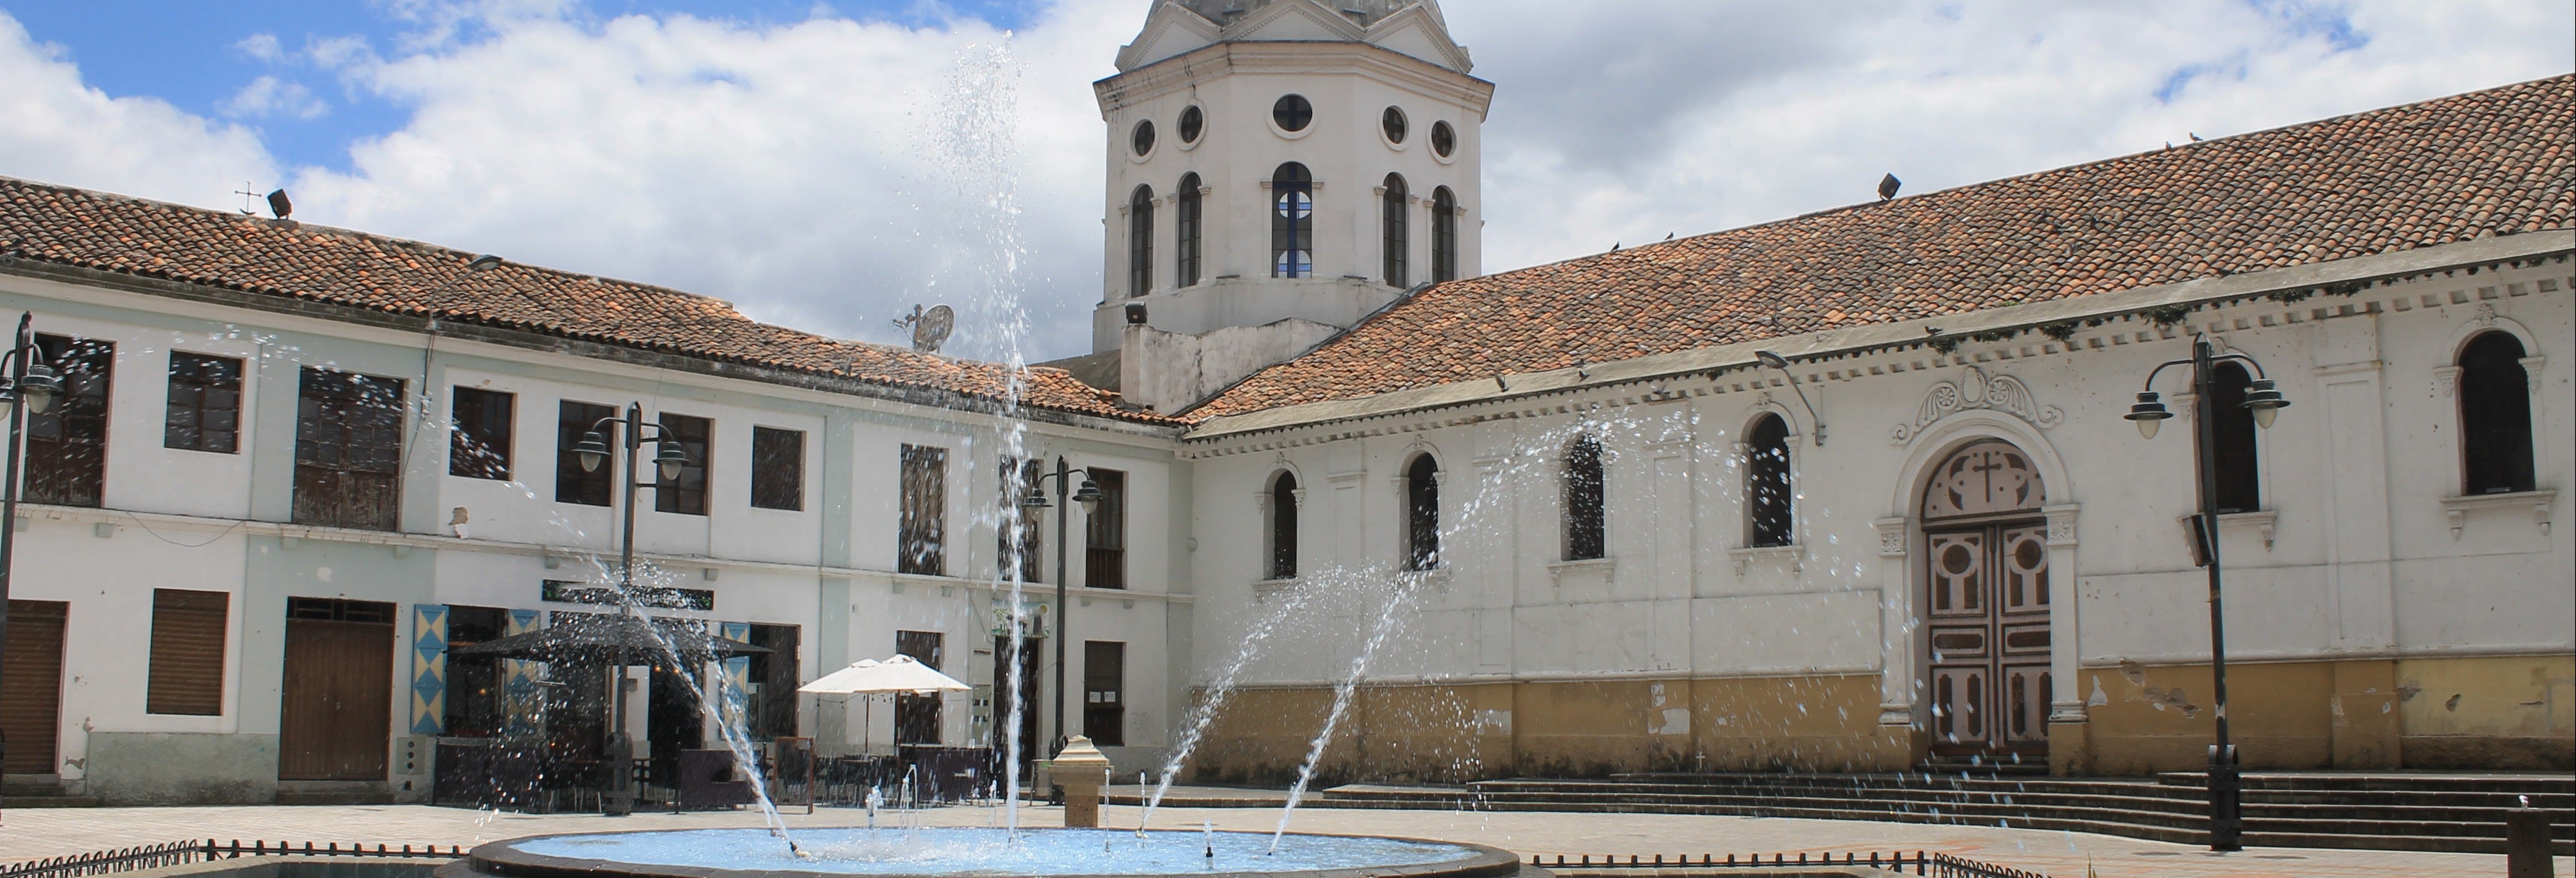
{"points": [[1278, 170]]}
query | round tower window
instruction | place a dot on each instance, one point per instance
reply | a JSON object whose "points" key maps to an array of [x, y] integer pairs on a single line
{"points": [[1143, 139], [1193, 121], [1292, 113], [1444, 139], [1393, 124]]}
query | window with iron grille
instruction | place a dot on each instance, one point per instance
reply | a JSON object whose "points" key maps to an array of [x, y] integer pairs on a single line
{"points": [[572, 483], [777, 468], [2495, 415], [204, 405], [1394, 228], [348, 450], [1185, 226], [1140, 241], [186, 674], [916, 717], [1422, 514], [1105, 533], [67, 444], [921, 541], [1104, 692], [1019, 539], [1766, 481], [1586, 533], [479, 433], [685, 493]]}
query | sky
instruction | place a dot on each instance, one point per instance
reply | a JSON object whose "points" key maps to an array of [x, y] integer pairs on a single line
{"points": [[827, 165]]}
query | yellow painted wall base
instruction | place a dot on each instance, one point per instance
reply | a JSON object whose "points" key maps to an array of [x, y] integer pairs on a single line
{"points": [[2447, 713]]}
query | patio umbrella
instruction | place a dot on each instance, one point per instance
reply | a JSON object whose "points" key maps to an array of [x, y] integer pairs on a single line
{"points": [[605, 637], [900, 675]]}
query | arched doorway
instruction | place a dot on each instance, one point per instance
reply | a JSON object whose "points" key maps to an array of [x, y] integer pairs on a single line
{"points": [[1986, 560]]}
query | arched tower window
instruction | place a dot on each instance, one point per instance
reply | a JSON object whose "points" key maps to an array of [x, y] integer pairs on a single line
{"points": [[1185, 225], [1767, 502], [1292, 222], [1283, 526], [1395, 233], [1586, 531], [2495, 416], [2240, 485], [1140, 241], [1444, 235], [1422, 514]]}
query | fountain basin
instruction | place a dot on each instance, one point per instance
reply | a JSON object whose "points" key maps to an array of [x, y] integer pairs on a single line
{"points": [[1108, 853]]}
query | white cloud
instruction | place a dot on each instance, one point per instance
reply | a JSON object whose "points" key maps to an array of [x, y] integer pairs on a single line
{"points": [[60, 130], [817, 172], [271, 96], [262, 46]]}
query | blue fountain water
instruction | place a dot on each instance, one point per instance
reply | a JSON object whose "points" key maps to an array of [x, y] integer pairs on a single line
{"points": [[986, 852]]}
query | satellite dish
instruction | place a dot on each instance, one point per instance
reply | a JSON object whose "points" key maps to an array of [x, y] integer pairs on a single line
{"points": [[930, 328]]}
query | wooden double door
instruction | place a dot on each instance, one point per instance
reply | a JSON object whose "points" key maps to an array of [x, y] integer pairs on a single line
{"points": [[335, 715], [1988, 620]]}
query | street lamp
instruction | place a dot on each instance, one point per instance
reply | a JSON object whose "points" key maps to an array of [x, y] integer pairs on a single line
{"points": [[23, 377], [668, 457], [1088, 494], [2263, 398]]}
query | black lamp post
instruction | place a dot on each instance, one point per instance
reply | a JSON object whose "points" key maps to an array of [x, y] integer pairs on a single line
{"points": [[1088, 494], [593, 450], [2263, 398], [23, 377]]}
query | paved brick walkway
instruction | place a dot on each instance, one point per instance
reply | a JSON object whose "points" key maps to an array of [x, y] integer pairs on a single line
{"points": [[30, 833]]}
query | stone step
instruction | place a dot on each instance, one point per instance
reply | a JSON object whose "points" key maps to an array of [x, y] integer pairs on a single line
{"points": [[1875, 801], [2515, 783], [56, 800]]}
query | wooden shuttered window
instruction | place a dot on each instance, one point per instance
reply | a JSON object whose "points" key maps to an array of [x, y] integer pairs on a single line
{"points": [[777, 468], [921, 546], [203, 410], [187, 671], [31, 702], [67, 443], [348, 450]]}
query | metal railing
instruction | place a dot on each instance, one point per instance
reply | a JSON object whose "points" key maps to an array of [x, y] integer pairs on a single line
{"points": [[1921, 862], [180, 853]]}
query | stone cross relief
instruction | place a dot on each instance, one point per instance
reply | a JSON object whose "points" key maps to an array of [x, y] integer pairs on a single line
{"points": [[1977, 390]]}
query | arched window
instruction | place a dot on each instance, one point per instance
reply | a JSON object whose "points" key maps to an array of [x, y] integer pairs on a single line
{"points": [[1140, 241], [1767, 501], [1283, 526], [1292, 222], [1185, 225], [1444, 235], [1394, 235], [2495, 415], [1422, 514], [2240, 486], [1586, 534]]}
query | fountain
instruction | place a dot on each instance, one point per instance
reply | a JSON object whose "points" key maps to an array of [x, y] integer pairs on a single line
{"points": [[751, 852]]}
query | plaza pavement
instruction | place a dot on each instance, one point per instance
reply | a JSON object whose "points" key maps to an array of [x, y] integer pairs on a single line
{"points": [[34, 833]]}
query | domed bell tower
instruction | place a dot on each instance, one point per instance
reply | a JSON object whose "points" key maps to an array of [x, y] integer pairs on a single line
{"points": [[1278, 170]]}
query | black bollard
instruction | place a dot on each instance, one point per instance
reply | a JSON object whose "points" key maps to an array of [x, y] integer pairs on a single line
{"points": [[2526, 842]]}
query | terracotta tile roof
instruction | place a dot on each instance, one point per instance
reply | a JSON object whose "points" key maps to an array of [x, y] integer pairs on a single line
{"points": [[2495, 162], [94, 230]]}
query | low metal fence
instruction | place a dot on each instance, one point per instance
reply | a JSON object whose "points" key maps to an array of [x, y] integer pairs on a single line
{"points": [[1921, 862], [180, 853]]}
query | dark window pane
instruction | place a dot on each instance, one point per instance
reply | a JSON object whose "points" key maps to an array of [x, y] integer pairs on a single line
{"points": [[1444, 139], [1585, 530], [2495, 416], [1185, 220], [476, 705], [1292, 222], [203, 412], [2239, 486], [1292, 113], [1193, 120], [66, 456], [1444, 235], [479, 433], [1394, 229], [686, 493], [1019, 479], [923, 531], [1140, 242], [777, 468], [1283, 527], [1768, 510], [348, 450], [572, 483], [1104, 692], [1422, 514]]}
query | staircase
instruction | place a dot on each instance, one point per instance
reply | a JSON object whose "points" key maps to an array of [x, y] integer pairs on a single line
{"points": [[2424, 812]]}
